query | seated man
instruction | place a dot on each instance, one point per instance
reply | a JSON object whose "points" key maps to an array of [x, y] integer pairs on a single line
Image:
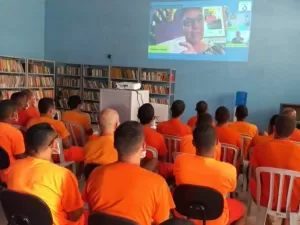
{"points": [[32, 110], [278, 153], [292, 114], [203, 170], [136, 194], [11, 139], [201, 108], [174, 126], [155, 140], [21, 100], [244, 127], [186, 144], [47, 112], [37, 175], [76, 116]]}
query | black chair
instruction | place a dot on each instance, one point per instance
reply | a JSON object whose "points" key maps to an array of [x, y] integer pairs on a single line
{"points": [[105, 219], [198, 202], [24, 209], [88, 169]]}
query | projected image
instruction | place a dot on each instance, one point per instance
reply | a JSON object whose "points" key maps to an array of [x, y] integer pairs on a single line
{"points": [[196, 31]]}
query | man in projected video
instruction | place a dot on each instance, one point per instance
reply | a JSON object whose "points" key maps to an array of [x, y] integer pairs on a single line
{"points": [[193, 26]]}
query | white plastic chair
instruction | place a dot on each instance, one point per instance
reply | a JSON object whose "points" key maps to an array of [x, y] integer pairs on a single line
{"points": [[245, 162], [225, 148], [62, 161], [72, 127], [262, 212], [172, 144], [153, 151]]}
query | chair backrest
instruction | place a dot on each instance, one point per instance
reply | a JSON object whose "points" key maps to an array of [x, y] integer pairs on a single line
{"points": [[77, 132], [153, 151], [198, 202], [59, 150], [225, 152], [283, 174], [245, 139], [172, 144], [105, 219], [25, 209]]}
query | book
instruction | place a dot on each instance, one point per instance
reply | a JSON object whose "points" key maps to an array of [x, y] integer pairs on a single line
{"points": [[94, 117], [91, 107], [11, 66], [70, 82], [38, 69], [35, 81], [68, 70], [63, 103], [95, 72], [5, 94], [66, 93], [91, 95], [123, 73], [156, 89], [43, 93], [9, 81], [157, 76], [94, 84], [164, 101]]}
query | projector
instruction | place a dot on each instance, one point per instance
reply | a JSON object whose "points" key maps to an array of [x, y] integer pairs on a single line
{"points": [[129, 86]]}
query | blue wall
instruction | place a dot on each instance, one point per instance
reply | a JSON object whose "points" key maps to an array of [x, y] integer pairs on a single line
{"points": [[86, 31], [22, 28]]}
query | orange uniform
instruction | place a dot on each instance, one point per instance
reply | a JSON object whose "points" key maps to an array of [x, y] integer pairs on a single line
{"points": [[208, 172], [186, 146], [100, 151], [72, 154], [192, 122], [11, 139], [174, 127], [137, 194], [258, 140], [295, 135], [55, 185], [77, 118], [32, 112], [282, 154]]}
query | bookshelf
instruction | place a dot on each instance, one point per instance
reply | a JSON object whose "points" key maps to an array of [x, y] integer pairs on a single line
{"points": [[123, 74], [40, 77], [160, 83], [68, 83], [12, 75], [94, 78]]}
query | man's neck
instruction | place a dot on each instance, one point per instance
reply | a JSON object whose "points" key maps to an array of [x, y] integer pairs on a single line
{"points": [[280, 138], [240, 120], [222, 125], [107, 132], [176, 118], [76, 110], [130, 160], [46, 115], [43, 157]]}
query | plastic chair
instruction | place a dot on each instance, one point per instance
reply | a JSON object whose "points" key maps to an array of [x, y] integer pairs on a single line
{"points": [[61, 155], [153, 151], [72, 128], [225, 148], [198, 202], [24, 209], [245, 163], [278, 212], [172, 144], [105, 219]]}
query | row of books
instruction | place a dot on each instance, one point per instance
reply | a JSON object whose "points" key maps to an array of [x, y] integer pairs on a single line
{"points": [[94, 84], [39, 69], [157, 76], [94, 117], [66, 93], [92, 72], [11, 66], [156, 89], [71, 82], [43, 94], [119, 73], [68, 70], [8, 81], [92, 95], [5, 94], [164, 101], [63, 103], [91, 107], [34, 81]]}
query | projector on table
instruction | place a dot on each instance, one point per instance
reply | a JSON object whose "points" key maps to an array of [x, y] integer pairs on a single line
{"points": [[129, 86]]}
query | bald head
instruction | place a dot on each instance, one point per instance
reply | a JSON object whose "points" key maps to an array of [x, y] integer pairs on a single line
{"points": [[290, 112], [108, 120]]}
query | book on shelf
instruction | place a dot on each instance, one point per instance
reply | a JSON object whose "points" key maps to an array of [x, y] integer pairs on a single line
{"points": [[91, 107], [157, 76], [11, 66], [94, 117], [95, 72], [43, 94], [38, 69], [34, 81], [164, 101], [9, 81], [156, 89], [123, 73], [5, 94], [71, 82], [63, 103], [68, 70], [66, 93], [92, 95], [94, 84]]}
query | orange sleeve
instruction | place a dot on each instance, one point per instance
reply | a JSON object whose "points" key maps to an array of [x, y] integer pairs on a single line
{"points": [[18, 143], [62, 130], [164, 203], [86, 123], [190, 122], [158, 129], [71, 198], [232, 178]]}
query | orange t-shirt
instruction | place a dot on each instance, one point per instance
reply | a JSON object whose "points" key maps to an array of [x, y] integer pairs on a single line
{"points": [[295, 135], [57, 125], [258, 140], [186, 146], [136, 194], [174, 127], [55, 185], [201, 171], [32, 112], [281, 154], [23, 118], [100, 151], [192, 122], [155, 140]]}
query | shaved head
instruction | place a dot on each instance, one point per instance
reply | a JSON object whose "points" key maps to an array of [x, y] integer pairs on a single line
{"points": [[108, 120], [290, 112]]}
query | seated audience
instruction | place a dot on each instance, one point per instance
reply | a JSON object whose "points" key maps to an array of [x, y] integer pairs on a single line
{"points": [[21, 100], [11, 139], [292, 114], [136, 194], [76, 116], [201, 108], [32, 110], [37, 175], [186, 144], [278, 153], [244, 127], [47, 112], [203, 170], [175, 221], [174, 126]]}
